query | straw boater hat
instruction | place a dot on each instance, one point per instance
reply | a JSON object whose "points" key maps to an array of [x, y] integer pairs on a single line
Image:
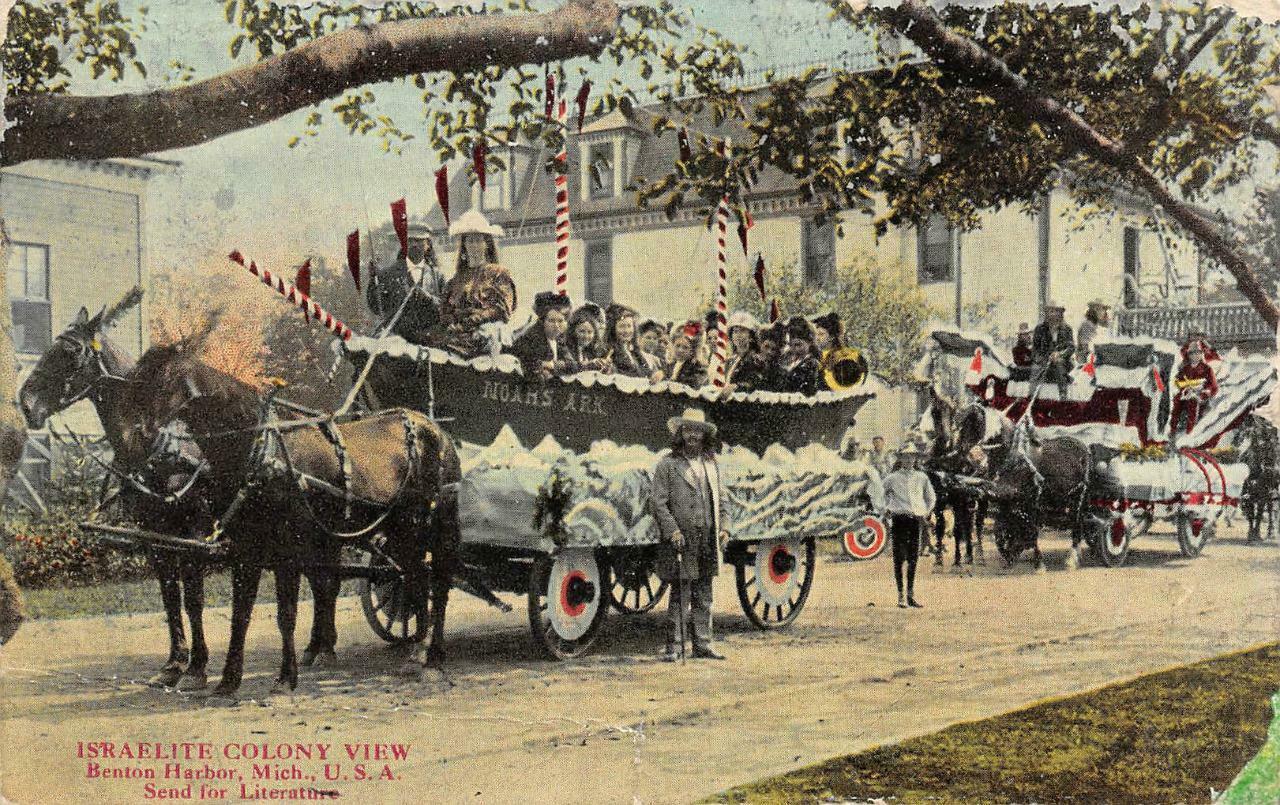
{"points": [[473, 222], [909, 450], [743, 319], [692, 417]]}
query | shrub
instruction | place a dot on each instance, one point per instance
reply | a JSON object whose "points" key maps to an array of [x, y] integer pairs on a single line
{"points": [[48, 549]]}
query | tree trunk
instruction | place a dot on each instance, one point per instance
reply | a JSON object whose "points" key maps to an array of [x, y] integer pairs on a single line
{"points": [[54, 126], [915, 20]]}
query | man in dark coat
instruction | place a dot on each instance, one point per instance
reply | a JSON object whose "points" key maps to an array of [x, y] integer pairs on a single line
{"points": [[799, 362], [541, 348], [1053, 347], [408, 291], [686, 504]]}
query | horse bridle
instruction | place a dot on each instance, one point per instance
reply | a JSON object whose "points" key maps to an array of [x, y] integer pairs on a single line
{"points": [[86, 353]]}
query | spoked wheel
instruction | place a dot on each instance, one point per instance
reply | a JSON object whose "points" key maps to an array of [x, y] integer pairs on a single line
{"points": [[636, 587], [385, 600], [774, 582], [1193, 534], [567, 602], [1111, 545], [865, 540]]}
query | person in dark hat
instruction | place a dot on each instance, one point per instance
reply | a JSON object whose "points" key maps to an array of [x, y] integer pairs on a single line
{"points": [[405, 296], [772, 341], [1022, 353], [685, 367], [585, 340], [541, 349], [650, 336], [828, 334], [800, 360], [621, 345], [1053, 348]]}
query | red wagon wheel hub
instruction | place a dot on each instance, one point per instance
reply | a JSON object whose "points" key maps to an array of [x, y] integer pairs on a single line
{"points": [[781, 563], [1117, 533], [1196, 526], [867, 541], [575, 593]]}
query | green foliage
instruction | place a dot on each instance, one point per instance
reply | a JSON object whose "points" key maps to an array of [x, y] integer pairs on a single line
{"points": [[42, 36], [883, 310], [49, 549], [554, 497]]}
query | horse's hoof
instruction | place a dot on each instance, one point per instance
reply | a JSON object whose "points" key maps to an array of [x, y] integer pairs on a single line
{"points": [[193, 681], [167, 678], [324, 659], [308, 658], [282, 685]]}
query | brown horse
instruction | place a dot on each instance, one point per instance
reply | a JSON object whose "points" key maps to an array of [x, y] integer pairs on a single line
{"points": [[395, 475], [82, 363]]}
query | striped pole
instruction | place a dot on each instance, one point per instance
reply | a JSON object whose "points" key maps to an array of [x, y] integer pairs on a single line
{"points": [[562, 205], [722, 298], [291, 293]]}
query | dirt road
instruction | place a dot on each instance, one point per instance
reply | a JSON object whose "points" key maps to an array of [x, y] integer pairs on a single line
{"points": [[619, 726]]}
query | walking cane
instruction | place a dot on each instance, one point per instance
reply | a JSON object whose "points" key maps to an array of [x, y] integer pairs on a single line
{"points": [[678, 592]]}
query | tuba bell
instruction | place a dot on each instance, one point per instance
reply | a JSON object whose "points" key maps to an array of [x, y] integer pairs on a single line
{"points": [[843, 368]]}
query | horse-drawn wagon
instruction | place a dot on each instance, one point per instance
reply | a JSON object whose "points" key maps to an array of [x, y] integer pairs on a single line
{"points": [[556, 474], [1099, 455]]}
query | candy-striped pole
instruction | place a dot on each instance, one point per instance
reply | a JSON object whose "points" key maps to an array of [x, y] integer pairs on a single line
{"points": [[722, 297], [562, 205], [291, 293]]}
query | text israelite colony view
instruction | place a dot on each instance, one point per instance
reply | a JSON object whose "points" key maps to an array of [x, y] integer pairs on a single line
{"points": [[761, 401]]}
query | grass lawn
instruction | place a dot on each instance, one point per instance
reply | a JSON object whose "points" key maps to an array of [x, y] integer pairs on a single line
{"points": [[1162, 738], [118, 598]]}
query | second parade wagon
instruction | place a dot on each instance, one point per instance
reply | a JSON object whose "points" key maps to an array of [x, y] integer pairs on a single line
{"points": [[554, 502]]}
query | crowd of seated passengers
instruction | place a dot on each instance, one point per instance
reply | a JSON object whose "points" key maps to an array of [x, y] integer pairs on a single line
{"points": [[784, 357]]}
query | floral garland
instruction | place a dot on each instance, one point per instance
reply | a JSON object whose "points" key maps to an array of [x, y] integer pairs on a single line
{"points": [[554, 497]]}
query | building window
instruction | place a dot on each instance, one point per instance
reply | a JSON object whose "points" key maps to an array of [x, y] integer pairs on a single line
{"points": [[936, 251], [818, 241], [494, 195], [28, 283], [600, 272], [600, 170], [1132, 266]]}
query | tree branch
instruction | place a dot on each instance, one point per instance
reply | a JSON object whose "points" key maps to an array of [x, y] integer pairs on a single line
{"points": [[918, 22], [53, 126]]}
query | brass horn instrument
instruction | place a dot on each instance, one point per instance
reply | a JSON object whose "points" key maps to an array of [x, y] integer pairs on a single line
{"points": [[843, 368]]}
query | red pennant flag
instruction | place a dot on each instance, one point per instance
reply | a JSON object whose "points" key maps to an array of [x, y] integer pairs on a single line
{"points": [[302, 281], [686, 151], [478, 152], [400, 220], [442, 191], [744, 224], [1089, 368], [353, 256], [584, 92], [551, 95], [975, 365], [760, 275], [236, 256], [774, 313]]}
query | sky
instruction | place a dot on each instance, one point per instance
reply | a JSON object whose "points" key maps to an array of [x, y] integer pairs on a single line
{"points": [[251, 192]]}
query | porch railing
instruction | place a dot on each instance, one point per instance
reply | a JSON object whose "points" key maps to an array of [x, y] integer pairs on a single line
{"points": [[1224, 324]]}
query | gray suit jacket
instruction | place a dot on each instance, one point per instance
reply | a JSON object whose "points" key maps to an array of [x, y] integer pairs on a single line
{"points": [[677, 504]]}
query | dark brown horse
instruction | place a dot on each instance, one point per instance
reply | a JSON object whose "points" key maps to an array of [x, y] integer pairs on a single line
{"points": [[83, 363], [392, 479]]}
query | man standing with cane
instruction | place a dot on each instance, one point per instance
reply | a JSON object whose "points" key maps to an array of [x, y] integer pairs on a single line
{"points": [[686, 503], [908, 498]]}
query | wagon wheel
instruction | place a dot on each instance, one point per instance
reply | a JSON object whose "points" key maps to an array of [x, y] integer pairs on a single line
{"points": [[1111, 545], [1193, 534], [384, 596], [636, 587], [865, 540], [774, 582], [567, 603]]}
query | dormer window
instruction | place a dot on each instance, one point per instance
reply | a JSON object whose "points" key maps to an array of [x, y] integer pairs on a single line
{"points": [[495, 195], [600, 170]]}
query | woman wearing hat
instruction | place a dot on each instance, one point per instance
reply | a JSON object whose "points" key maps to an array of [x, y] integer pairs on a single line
{"points": [[480, 291], [583, 340], [828, 333], [685, 502], [622, 348], [800, 361], [541, 349], [745, 369], [685, 367], [908, 499]]}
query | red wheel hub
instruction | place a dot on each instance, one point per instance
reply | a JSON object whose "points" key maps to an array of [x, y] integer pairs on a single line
{"points": [[1196, 526], [575, 593], [781, 563], [1117, 532]]}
